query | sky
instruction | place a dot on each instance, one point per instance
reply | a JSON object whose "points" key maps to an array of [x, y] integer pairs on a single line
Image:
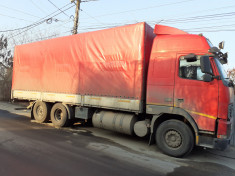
{"points": [[26, 21]]}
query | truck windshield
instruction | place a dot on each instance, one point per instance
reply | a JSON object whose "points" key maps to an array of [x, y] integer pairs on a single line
{"points": [[222, 72]]}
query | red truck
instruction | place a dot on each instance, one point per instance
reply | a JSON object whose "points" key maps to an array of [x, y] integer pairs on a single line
{"points": [[163, 83]]}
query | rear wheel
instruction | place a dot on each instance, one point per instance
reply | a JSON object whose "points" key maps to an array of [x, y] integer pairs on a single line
{"points": [[59, 115], [41, 111], [174, 138]]}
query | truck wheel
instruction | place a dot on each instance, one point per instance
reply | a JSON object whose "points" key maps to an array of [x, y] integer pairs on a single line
{"points": [[174, 138], [59, 115], [41, 111]]}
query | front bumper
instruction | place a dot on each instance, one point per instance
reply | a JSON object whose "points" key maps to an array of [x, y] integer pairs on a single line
{"points": [[221, 144], [215, 143], [224, 133]]}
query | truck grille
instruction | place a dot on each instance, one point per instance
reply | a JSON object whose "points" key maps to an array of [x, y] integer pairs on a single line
{"points": [[230, 111]]}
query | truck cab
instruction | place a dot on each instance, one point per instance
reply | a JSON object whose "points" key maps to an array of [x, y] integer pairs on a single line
{"points": [[186, 82]]}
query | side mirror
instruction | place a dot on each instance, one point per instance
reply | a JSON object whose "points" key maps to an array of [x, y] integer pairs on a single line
{"points": [[224, 58], [221, 45], [205, 65], [207, 78]]}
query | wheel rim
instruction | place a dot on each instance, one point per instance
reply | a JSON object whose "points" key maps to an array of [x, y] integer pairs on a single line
{"points": [[173, 139], [40, 111], [58, 114]]}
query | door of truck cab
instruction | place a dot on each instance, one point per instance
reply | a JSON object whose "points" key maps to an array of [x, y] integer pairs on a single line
{"points": [[192, 94]]}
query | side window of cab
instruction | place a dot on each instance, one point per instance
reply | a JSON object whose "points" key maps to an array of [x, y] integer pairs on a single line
{"points": [[190, 70]]}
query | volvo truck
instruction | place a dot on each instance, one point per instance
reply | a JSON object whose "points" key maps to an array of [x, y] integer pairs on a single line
{"points": [[162, 83]]}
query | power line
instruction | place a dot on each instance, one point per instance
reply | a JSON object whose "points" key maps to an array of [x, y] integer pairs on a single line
{"points": [[206, 10], [198, 20], [219, 30], [83, 28], [35, 23], [92, 17], [88, 0], [134, 10], [58, 8], [188, 30], [55, 26], [32, 25], [201, 17], [55, 35], [10, 30], [207, 27], [199, 23], [223, 16], [16, 10], [97, 27], [205, 17], [14, 17], [37, 6], [44, 38], [164, 21]]}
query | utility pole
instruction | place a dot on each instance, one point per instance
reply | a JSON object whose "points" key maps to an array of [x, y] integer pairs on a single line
{"points": [[75, 27]]}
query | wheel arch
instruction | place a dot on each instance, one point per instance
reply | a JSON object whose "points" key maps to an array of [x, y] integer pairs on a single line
{"points": [[175, 113]]}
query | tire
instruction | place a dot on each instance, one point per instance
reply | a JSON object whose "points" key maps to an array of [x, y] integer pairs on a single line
{"points": [[59, 115], [41, 111], [174, 138]]}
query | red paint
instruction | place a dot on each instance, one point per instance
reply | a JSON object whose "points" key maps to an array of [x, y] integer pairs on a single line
{"points": [[109, 62], [163, 30], [226, 97], [222, 127]]}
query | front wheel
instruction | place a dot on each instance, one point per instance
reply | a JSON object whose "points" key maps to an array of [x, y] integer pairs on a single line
{"points": [[59, 115], [174, 138]]}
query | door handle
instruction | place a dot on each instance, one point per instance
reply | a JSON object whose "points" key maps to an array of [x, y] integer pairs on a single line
{"points": [[180, 100]]}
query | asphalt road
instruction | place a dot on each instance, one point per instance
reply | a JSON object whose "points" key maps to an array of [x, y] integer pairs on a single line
{"points": [[29, 148]]}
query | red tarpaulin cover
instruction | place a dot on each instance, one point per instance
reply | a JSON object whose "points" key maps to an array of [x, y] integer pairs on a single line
{"points": [[108, 62]]}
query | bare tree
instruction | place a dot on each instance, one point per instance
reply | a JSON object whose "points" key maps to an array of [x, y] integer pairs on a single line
{"points": [[231, 74], [5, 69]]}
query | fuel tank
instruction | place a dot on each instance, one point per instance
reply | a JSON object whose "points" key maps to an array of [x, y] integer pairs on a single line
{"points": [[115, 121]]}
